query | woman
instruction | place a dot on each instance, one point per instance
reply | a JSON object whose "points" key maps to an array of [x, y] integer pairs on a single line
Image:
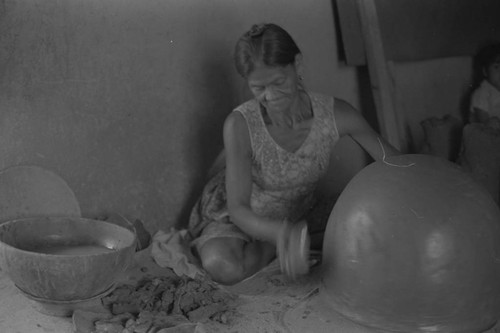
{"points": [[277, 147]]}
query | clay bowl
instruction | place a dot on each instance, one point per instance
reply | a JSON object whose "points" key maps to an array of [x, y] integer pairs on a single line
{"points": [[64, 258]]}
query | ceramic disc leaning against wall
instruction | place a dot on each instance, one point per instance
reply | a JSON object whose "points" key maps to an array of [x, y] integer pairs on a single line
{"points": [[29, 190], [413, 245]]}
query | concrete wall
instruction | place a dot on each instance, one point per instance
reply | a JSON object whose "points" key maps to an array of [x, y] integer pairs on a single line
{"points": [[125, 99]]}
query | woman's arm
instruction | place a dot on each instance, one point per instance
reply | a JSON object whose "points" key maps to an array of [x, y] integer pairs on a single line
{"points": [[350, 122], [239, 181]]}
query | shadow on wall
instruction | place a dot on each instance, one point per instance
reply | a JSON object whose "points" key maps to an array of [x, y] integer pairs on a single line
{"points": [[366, 97], [222, 96], [362, 75]]}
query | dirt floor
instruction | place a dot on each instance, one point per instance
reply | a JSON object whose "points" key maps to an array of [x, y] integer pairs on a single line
{"points": [[266, 302]]}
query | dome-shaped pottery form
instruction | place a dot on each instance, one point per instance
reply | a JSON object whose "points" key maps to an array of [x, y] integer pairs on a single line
{"points": [[413, 245]]}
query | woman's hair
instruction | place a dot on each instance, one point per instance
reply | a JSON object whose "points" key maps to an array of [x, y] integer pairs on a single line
{"points": [[266, 43]]}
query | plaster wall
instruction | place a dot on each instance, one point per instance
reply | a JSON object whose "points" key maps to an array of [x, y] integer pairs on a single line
{"points": [[125, 99]]}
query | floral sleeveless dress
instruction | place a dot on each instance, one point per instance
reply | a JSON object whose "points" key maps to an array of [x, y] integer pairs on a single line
{"points": [[284, 182]]}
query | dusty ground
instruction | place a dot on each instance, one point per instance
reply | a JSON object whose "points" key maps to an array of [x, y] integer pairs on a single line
{"points": [[265, 303]]}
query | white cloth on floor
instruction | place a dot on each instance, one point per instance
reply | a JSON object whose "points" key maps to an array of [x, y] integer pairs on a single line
{"points": [[171, 249]]}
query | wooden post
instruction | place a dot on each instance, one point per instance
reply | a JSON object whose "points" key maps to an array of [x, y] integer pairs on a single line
{"points": [[381, 81]]}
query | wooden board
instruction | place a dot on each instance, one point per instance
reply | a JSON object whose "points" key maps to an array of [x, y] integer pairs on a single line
{"points": [[380, 75], [422, 29]]}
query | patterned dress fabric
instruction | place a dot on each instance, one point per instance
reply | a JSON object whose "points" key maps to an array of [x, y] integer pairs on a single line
{"points": [[284, 182]]}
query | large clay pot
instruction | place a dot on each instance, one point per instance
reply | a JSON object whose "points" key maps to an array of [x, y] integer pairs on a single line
{"points": [[413, 245]]}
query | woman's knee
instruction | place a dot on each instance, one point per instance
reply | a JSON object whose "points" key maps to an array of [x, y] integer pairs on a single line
{"points": [[223, 262]]}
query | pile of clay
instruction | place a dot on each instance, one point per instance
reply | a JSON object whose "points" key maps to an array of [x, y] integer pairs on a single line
{"points": [[156, 303]]}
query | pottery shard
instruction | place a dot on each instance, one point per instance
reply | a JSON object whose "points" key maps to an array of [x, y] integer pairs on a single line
{"points": [[167, 299]]}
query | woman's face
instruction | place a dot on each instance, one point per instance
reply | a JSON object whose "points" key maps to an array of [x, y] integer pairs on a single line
{"points": [[493, 73], [274, 87]]}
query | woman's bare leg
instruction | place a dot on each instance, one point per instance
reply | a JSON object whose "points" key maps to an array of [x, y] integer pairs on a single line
{"points": [[231, 260]]}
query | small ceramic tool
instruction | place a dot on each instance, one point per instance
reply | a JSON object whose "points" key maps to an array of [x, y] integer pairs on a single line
{"points": [[293, 249]]}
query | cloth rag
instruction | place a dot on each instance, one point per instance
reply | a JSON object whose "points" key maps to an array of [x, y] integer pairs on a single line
{"points": [[171, 249]]}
